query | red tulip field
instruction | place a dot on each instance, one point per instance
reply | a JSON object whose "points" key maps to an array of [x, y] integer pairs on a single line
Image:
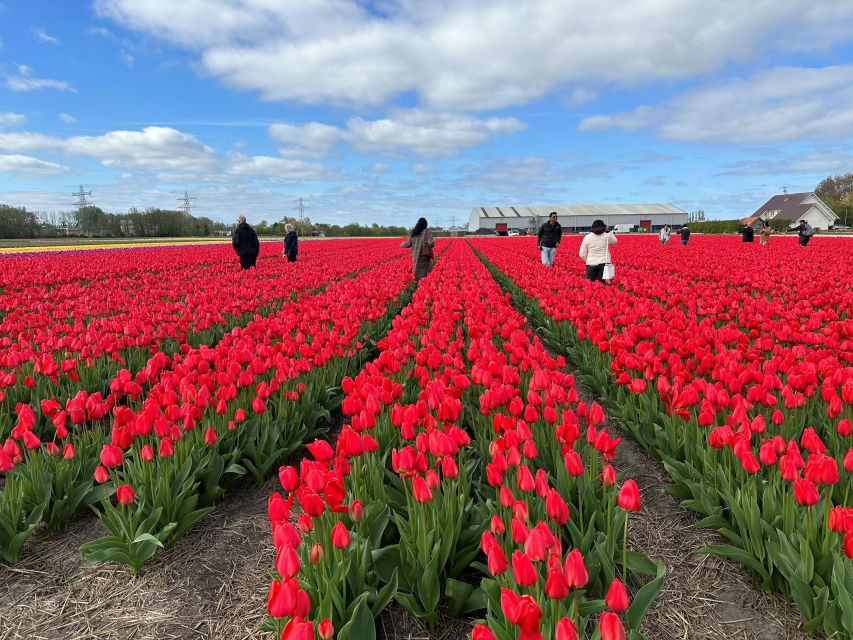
{"points": [[502, 451]]}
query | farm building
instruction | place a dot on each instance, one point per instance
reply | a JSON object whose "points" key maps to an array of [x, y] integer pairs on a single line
{"points": [[794, 207], [576, 217]]}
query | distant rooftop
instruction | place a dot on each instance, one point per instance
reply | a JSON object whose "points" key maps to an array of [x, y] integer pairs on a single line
{"points": [[602, 210]]}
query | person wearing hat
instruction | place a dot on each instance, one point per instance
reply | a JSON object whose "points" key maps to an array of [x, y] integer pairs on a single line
{"points": [[685, 235], [548, 238], [595, 250]]}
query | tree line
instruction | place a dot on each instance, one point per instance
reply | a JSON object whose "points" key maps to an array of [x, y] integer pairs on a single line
{"points": [[94, 222]]}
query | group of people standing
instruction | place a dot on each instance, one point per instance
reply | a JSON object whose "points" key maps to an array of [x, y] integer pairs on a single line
{"points": [[666, 233], [804, 233], [594, 251], [245, 242]]}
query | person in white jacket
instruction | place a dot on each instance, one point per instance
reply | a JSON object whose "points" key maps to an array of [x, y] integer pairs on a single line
{"points": [[664, 234], [595, 250]]}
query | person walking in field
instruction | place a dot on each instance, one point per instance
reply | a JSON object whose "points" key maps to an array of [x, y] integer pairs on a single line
{"points": [[805, 232], [548, 239], [685, 235], [747, 233], [595, 250], [764, 234], [245, 243], [664, 234], [421, 242], [290, 243]]}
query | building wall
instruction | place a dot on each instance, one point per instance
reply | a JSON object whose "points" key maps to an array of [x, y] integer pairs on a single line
{"points": [[581, 223], [816, 218]]}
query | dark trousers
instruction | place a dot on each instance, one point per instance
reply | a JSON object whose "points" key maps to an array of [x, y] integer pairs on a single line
{"points": [[248, 261], [291, 257], [595, 272], [804, 240]]}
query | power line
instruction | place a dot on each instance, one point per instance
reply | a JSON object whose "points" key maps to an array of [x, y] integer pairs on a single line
{"points": [[82, 198], [185, 203], [300, 207]]}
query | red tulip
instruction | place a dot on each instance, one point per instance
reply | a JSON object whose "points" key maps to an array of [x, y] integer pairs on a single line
{"points": [[556, 586], [421, 490], [325, 629], [805, 492], [566, 630], [575, 569], [629, 496], [210, 437], [111, 456], [617, 597], [611, 627], [101, 474], [166, 447], [523, 571], [556, 508], [339, 536], [523, 612], [125, 494], [482, 632]]}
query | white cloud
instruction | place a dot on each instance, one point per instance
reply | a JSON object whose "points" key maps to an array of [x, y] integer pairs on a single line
{"points": [[30, 167], [67, 119], [281, 168], [380, 167], [127, 58], [25, 81], [474, 54], [580, 96], [43, 36], [313, 140], [153, 148], [9, 117], [421, 169], [784, 103], [426, 134], [813, 163]]}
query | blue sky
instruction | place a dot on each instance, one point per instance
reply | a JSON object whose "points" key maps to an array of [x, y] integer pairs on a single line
{"points": [[387, 110]]}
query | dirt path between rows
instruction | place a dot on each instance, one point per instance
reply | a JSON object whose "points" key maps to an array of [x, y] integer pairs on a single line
{"points": [[704, 597]]}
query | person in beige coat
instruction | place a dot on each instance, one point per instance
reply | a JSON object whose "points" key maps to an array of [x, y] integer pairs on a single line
{"points": [[595, 250]]}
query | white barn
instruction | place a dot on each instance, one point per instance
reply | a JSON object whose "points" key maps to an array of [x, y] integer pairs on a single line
{"points": [[576, 217]]}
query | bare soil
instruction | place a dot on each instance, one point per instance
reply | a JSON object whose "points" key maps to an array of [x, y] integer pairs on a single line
{"points": [[704, 597]]}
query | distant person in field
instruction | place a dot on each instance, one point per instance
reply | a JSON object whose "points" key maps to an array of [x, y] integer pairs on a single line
{"points": [[685, 235], [664, 234], [805, 232], [747, 233], [421, 242], [765, 234], [245, 243], [290, 243], [595, 250], [548, 239]]}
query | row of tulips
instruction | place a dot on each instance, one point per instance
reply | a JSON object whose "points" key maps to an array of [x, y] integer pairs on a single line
{"points": [[78, 333], [397, 508], [211, 414], [744, 390]]}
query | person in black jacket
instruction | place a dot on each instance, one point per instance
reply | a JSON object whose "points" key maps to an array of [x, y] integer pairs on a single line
{"points": [[290, 243], [748, 233], [245, 243], [548, 238], [685, 235]]}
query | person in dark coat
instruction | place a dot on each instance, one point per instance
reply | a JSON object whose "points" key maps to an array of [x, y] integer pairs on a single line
{"points": [[290, 243], [421, 242], [805, 232], [245, 243], [747, 233], [685, 235], [548, 239]]}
